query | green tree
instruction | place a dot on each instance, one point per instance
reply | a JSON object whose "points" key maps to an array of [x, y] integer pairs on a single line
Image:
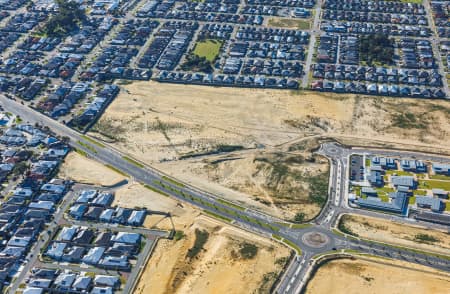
{"points": [[20, 168], [66, 20], [299, 217]]}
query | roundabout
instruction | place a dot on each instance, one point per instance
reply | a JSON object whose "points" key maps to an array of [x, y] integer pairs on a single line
{"points": [[315, 239]]}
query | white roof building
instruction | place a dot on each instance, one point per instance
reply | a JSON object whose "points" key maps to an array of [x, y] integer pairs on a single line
{"points": [[46, 205], [93, 255], [104, 280], [125, 237], [66, 233]]}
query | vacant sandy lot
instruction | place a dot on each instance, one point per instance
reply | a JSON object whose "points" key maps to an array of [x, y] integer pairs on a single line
{"points": [[361, 276], [156, 121], [136, 195], [401, 234], [83, 170], [218, 268], [277, 183]]}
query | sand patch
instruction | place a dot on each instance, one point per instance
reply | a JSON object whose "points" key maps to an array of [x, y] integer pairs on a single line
{"points": [[277, 183], [84, 170], [362, 276], [217, 269], [136, 195], [396, 233]]}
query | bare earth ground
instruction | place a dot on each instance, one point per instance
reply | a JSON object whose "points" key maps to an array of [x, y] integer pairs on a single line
{"points": [[216, 269], [396, 233], [158, 123], [377, 276], [83, 170], [136, 195], [277, 183]]}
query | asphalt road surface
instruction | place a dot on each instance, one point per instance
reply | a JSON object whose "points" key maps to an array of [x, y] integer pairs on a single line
{"points": [[297, 274]]}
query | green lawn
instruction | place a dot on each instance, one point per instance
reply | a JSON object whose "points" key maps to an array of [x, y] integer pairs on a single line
{"points": [[300, 24], [357, 190], [412, 200], [384, 197], [133, 162], [399, 173], [447, 206], [434, 184], [385, 190], [367, 162], [294, 246], [227, 203], [440, 177], [208, 48], [420, 192], [411, 1]]}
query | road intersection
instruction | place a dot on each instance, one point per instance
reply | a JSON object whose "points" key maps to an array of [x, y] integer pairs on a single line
{"points": [[317, 238]]}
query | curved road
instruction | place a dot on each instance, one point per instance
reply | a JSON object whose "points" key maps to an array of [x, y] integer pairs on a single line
{"points": [[318, 238]]}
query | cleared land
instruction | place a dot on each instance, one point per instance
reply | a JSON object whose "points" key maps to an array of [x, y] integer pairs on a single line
{"points": [[136, 195], [282, 184], [157, 121], [396, 233], [78, 168], [280, 22], [226, 262], [208, 48], [160, 123], [377, 276]]}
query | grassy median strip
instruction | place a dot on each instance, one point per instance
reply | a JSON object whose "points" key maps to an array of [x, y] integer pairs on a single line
{"points": [[133, 162], [81, 152], [173, 181], [155, 190], [293, 245], [224, 210], [87, 146], [224, 202], [283, 224], [446, 257], [277, 237], [300, 226], [117, 170], [93, 141], [217, 216]]}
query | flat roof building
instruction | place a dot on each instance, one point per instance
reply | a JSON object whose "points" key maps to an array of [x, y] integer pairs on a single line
{"points": [[399, 203]]}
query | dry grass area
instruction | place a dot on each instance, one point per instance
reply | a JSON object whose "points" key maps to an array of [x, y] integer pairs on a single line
{"points": [[84, 170], [377, 276], [157, 121], [282, 184], [397, 233], [218, 268]]}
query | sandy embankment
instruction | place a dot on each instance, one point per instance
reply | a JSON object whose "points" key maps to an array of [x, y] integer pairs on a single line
{"points": [[373, 277], [398, 233], [84, 170]]}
